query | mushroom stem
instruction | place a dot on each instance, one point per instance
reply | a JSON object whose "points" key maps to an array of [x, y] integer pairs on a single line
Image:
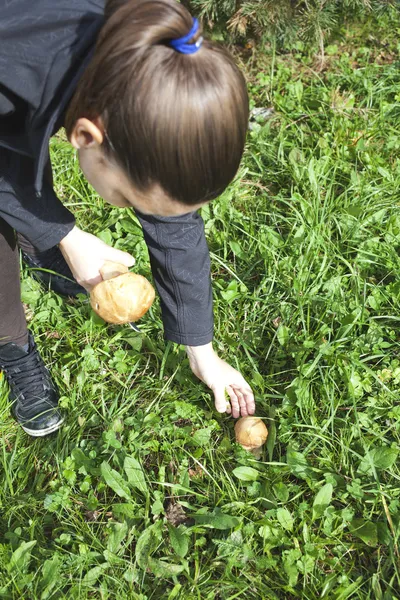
{"points": [[256, 451], [112, 269]]}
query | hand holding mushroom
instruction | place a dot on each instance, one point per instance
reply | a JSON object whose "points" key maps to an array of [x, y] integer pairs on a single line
{"points": [[222, 379], [122, 297], [86, 253]]}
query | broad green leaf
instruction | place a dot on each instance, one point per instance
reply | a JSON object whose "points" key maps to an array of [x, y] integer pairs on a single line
{"points": [[281, 491], [184, 410], [129, 226], [306, 564], [217, 520], [322, 500], [202, 437], [124, 510], [163, 569], [29, 295], [272, 237], [90, 359], [21, 557], [298, 464], [236, 248], [365, 530], [130, 575], [311, 175], [134, 472], [330, 583], [50, 571], [119, 531], [356, 388], [81, 460], [179, 540], [93, 575], [157, 507], [379, 458], [106, 236], [282, 334], [231, 292], [384, 535], [285, 518], [147, 544], [292, 572], [289, 563], [246, 473], [115, 481], [297, 88], [135, 341], [386, 175]]}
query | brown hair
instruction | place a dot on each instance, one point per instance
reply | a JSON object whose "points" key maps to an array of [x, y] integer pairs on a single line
{"points": [[171, 119]]}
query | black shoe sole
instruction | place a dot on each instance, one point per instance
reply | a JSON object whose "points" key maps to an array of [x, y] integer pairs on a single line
{"points": [[42, 432]]}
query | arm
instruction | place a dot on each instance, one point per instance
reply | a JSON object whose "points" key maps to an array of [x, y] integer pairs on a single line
{"points": [[43, 221], [180, 263], [181, 268]]}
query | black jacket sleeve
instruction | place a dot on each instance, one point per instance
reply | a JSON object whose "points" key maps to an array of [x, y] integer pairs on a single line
{"points": [[180, 263], [44, 221]]}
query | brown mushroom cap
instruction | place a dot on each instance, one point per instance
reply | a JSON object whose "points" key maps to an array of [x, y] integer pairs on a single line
{"points": [[251, 432], [121, 298]]}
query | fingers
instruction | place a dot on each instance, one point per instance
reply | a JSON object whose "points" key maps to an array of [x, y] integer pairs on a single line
{"points": [[89, 284], [240, 400], [119, 256], [248, 398], [222, 404], [234, 402], [250, 402], [220, 401]]}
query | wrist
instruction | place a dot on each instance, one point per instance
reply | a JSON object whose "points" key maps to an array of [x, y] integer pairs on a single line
{"points": [[199, 352], [69, 238]]}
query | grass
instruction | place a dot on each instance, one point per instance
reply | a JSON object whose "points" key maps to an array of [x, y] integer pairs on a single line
{"points": [[143, 494]]}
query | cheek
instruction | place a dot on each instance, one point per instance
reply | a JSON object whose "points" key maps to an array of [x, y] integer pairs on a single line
{"points": [[95, 173], [86, 166], [117, 202]]}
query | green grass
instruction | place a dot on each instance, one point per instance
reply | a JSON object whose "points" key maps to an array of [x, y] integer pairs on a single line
{"points": [[139, 496]]}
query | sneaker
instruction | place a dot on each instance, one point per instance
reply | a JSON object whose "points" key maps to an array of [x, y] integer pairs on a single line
{"points": [[33, 394], [52, 271]]}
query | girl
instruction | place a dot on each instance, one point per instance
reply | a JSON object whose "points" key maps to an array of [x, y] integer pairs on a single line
{"points": [[159, 118]]}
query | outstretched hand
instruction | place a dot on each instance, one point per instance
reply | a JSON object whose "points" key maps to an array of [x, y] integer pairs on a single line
{"points": [[86, 254], [221, 378]]}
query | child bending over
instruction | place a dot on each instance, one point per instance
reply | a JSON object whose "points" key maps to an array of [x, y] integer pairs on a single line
{"points": [[158, 116]]}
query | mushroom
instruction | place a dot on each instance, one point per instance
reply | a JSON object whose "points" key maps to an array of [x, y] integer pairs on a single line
{"points": [[122, 297], [251, 433]]}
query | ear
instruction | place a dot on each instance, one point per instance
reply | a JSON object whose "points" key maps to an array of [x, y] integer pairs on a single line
{"points": [[87, 134]]}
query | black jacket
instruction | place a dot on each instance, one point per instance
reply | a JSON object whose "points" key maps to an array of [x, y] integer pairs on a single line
{"points": [[45, 45]]}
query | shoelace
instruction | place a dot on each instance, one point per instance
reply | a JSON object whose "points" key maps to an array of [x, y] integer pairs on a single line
{"points": [[28, 376]]}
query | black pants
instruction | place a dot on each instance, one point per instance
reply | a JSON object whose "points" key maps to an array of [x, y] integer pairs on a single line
{"points": [[12, 316], [13, 326]]}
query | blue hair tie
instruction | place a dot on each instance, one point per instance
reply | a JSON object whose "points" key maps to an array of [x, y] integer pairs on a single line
{"points": [[181, 44]]}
